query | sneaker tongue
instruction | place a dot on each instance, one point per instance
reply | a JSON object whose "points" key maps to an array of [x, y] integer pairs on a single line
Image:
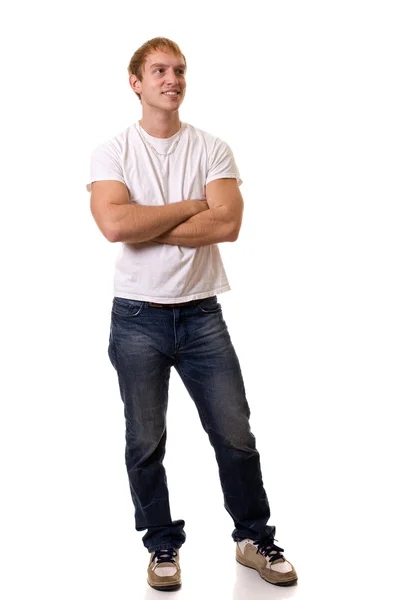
{"points": [[164, 554]]}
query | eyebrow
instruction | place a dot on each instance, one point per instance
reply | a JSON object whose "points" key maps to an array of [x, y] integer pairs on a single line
{"points": [[163, 65]]}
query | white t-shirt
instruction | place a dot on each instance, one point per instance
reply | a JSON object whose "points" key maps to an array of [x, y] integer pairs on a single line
{"points": [[155, 272]]}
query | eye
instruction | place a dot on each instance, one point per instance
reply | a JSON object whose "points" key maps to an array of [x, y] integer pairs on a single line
{"points": [[161, 70]]}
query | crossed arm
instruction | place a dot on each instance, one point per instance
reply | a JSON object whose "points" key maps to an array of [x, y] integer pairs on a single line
{"points": [[190, 223], [220, 223]]}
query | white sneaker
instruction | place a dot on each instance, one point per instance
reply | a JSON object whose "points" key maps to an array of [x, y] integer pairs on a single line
{"points": [[267, 558], [163, 572]]}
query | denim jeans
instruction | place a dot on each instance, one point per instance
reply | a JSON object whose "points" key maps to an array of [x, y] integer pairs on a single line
{"points": [[145, 342]]}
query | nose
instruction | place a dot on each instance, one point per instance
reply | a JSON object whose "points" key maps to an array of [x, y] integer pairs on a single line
{"points": [[171, 76]]}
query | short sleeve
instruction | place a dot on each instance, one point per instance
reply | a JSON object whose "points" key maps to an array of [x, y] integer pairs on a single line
{"points": [[105, 165], [222, 163]]}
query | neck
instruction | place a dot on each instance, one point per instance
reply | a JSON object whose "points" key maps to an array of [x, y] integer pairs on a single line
{"points": [[161, 125]]}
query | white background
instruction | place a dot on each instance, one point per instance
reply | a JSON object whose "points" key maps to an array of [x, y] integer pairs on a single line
{"points": [[307, 95]]}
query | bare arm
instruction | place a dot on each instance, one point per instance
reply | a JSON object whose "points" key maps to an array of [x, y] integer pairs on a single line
{"points": [[221, 223], [122, 221], [209, 227]]}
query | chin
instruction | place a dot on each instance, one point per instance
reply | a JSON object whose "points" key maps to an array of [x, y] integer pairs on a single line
{"points": [[171, 108]]}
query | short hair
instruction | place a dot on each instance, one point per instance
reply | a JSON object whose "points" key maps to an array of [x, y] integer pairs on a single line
{"points": [[137, 61]]}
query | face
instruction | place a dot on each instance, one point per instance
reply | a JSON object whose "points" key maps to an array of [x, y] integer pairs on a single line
{"points": [[163, 83]]}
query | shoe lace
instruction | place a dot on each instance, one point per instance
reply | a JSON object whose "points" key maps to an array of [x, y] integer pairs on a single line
{"points": [[165, 555], [268, 548]]}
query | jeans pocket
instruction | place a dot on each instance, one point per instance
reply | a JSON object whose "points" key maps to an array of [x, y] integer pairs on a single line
{"points": [[209, 305], [123, 307]]}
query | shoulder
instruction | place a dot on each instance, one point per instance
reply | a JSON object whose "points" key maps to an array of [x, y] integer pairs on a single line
{"points": [[196, 132], [116, 144], [107, 158], [211, 141]]}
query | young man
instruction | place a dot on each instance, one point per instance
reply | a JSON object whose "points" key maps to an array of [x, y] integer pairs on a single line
{"points": [[170, 193]]}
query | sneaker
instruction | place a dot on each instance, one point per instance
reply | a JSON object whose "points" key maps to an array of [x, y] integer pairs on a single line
{"points": [[267, 559], [163, 572]]}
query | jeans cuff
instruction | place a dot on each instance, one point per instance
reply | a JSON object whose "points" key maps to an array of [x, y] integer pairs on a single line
{"points": [[163, 547]]}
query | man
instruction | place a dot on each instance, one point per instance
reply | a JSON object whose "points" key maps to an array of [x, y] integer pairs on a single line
{"points": [[170, 193]]}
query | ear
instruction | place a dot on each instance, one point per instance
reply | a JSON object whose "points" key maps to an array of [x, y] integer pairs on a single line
{"points": [[135, 84]]}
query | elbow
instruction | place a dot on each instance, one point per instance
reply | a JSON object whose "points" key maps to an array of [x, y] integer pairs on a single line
{"points": [[111, 233], [233, 232], [234, 236], [112, 238], [114, 234], [107, 227]]}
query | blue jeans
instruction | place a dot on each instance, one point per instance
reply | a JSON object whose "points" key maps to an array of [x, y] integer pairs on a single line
{"points": [[145, 342]]}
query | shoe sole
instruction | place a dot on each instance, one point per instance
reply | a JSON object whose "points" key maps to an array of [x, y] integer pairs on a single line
{"points": [[165, 588], [243, 562]]}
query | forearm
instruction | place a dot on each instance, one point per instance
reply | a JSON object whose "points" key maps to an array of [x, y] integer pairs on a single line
{"points": [[135, 223], [204, 229]]}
